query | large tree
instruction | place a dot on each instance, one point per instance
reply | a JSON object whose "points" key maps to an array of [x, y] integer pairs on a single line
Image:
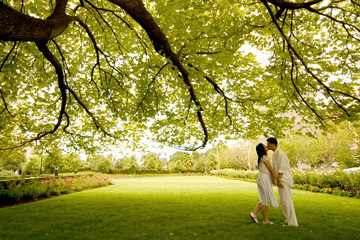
{"points": [[82, 71]]}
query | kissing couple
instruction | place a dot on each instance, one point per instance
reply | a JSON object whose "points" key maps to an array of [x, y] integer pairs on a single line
{"points": [[278, 173]]}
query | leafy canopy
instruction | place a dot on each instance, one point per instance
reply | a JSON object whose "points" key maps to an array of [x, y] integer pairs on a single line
{"points": [[181, 72]]}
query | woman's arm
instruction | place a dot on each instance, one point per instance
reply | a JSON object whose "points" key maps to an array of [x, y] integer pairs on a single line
{"points": [[268, 165]]}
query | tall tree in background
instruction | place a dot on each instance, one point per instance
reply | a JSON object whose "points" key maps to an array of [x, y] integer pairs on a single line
{"points": [[242, 155], [181, 161], [324, 149], [85, 71], [152, 161], [12, 159]]}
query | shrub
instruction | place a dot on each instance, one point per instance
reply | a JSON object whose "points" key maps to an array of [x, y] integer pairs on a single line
{"points": [[176, 166], [32, 190], [105, 167], [238, 174], [84, 169], [332, 182]]}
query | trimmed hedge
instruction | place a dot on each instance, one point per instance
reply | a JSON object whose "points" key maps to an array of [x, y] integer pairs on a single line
{"points": [[152, 171], [332, 182], [236, 174]]}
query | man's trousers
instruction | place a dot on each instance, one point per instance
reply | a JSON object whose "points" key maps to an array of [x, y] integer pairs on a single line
{"points": [[287, 205]]}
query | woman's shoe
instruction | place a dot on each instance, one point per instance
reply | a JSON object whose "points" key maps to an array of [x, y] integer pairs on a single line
{"points": [[268, 222], [253, 217]]}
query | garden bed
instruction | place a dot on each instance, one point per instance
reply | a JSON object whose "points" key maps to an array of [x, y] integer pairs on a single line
{"points": [[14, 192]]}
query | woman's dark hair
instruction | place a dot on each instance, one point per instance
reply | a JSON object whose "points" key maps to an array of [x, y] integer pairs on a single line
{"points": [[260, 150]]}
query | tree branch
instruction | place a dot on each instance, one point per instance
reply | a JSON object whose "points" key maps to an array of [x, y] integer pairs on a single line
{"points": [[96, 122], [218, 90], [292, 5], [151, 83], [335, 20], [299, 93], [7, 56], [137, 10], [328, 89], [58, 69], [16, 26], [61, 83], [5, 104]]}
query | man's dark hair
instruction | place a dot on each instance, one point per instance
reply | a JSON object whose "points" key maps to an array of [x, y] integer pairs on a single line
{"points": [[272, 140]]}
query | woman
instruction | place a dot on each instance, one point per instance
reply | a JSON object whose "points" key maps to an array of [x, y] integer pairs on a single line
{"points": [[264, 184]]}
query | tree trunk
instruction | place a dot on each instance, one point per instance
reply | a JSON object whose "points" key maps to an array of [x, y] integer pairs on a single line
{"points": [[16, 26]]}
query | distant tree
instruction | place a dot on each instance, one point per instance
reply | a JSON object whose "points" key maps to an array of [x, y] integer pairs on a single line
{"points": [[241, 155], [32, 166], [339, 147], [323, 149], [93, 161], [199, 160], [105, 166], [53, 159], [180, 161], [130, 164], [12, 159], [152, 161], [176, 166], [299, 149], [72, 162], [119, 163], [212, 159]]}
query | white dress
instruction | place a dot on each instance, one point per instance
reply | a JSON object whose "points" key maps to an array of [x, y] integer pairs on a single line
{"points": [[266, 193]]}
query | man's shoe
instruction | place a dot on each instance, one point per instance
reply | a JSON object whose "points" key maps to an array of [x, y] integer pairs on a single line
{"points": [[288, 225]]}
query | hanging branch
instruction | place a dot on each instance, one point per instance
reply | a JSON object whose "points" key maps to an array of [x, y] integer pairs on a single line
{"points": [[5, 104], [67, 122], [96, 122], [299, 93], [218, 90], [136, 9], [61, 83], [292, 48], [63, 87], [98, 9], [1, 67], [98, 52], [344, 24], [40, 32], [7, 56], [151, 83]]}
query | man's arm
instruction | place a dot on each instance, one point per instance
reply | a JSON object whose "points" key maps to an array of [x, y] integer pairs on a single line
{"points": [[279, 183], [283, 162]]}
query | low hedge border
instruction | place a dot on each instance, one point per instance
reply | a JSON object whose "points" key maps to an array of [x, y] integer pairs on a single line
{"points": [[335, 182]]}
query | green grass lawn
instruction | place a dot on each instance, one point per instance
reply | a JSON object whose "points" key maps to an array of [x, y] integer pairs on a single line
{"points": [[177, 207]]}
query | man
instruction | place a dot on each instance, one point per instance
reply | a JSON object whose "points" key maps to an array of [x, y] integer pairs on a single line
{"points": [[281, 165]]}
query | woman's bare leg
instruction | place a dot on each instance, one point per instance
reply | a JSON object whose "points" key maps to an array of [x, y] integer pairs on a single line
{"points": [[264, 211], [257, 208]]}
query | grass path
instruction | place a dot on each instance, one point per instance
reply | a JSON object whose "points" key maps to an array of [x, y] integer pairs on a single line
{"points": [[177, 207]]}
